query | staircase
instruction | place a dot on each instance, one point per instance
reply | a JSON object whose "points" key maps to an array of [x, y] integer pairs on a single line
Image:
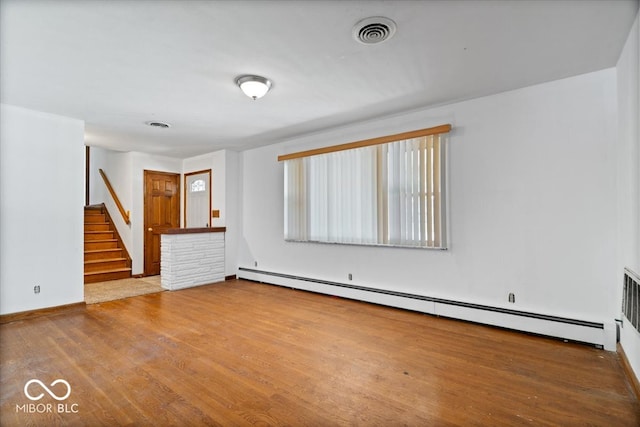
{"points": [[105, 257]]}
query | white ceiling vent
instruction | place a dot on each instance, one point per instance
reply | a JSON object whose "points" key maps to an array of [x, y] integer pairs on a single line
{"points": [[159, 125], [374, 30]]}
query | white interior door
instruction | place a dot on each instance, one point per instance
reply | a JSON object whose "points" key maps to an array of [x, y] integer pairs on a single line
{"points": [[198, 199]]}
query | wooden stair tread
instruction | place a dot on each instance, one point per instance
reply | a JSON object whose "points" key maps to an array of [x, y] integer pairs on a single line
{"points": [[98, 261], [101, 244], [93, 219], [97, 251], [112, 270]]}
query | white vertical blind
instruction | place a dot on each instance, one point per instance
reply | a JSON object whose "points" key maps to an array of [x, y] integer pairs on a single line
{"points": [[385, 194]]}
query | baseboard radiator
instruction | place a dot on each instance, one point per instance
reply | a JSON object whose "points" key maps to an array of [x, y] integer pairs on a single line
{"points": [[631, 298], [598, 334]]}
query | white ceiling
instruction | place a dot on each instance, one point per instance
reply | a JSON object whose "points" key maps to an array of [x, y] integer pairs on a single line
{"points": [[119, 64]]}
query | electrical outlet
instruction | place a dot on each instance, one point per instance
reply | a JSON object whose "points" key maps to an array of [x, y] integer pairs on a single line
{"points": [[350, 276], [512, 297], [255, 263], [36, 289]]}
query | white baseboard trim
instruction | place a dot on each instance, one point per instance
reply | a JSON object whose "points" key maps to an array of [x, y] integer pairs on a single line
{"points": [[598, 334]]}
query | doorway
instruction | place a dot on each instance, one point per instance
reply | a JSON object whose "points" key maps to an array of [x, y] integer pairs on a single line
{"points": [[161, 212], [197, 199]]}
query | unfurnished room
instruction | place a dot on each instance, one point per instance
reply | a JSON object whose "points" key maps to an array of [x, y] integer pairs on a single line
{"points": [[319, 213]]}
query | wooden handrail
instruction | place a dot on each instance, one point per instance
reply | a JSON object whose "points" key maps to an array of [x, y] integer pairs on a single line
{"points": [[125, 214]]}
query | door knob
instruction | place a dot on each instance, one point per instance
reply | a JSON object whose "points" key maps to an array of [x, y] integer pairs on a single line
{"points": [[149, 229]]}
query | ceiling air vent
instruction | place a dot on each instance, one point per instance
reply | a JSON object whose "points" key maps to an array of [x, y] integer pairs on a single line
{"points": [[159, 125], [374, 30]]}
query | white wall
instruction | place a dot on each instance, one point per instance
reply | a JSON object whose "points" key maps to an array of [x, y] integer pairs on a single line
{"points": [[232, 204], [628, 176], [41, 217], [216, 162], [225, 197], [118, 168], [629, 151], [532, 204]]}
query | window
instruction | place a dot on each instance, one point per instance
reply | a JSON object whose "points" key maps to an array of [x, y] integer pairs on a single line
{"points": [[198, 185], [386, 191]]}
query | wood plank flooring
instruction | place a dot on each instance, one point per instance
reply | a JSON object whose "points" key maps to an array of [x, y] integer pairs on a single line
{"points": [[241, 353]]}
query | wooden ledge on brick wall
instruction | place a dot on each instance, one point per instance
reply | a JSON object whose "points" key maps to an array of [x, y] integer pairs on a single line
{"points": [[196, 230], [49, 311]]}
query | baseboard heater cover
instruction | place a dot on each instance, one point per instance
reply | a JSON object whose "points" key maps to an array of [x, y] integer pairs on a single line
{"points": [[554, 326]]}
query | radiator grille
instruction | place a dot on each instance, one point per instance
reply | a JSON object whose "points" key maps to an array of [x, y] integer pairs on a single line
{"points": [[631, 298]]}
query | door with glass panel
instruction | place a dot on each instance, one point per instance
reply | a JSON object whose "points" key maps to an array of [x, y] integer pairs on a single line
{"points": [[197, 199]]}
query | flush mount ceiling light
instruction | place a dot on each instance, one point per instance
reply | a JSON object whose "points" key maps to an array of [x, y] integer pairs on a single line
{"points": [[159, 125], [254, 86], [374, 30]]}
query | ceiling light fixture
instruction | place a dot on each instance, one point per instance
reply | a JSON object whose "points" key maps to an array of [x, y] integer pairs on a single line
{"points": [[254, 87]]}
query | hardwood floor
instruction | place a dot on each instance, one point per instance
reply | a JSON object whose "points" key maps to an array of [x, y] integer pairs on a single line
{"points": [[241, 353]]}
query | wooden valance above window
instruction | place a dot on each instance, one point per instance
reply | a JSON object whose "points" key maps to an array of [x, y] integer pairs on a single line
{"points": [[368, 142]]}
